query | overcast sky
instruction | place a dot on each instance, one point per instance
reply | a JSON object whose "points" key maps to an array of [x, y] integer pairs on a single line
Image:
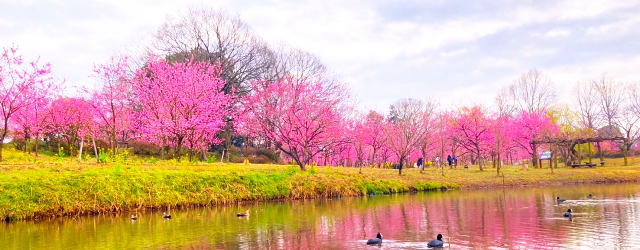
{"points": [[457, 52]]}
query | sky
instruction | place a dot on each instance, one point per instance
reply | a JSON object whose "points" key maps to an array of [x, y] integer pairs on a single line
{"points": [[454, 52]]}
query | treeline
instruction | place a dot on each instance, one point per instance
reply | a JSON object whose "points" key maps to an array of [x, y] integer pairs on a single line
{"points": [[209, 85]]}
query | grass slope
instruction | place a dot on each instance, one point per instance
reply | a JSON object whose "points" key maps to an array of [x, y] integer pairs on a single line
{"points": [[49, 186]]}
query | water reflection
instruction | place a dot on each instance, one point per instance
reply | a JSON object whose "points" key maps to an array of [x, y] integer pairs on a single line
{"points": [[503, 218]]}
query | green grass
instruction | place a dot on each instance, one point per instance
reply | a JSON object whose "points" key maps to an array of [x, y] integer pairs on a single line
{"points": [[46, 186]]}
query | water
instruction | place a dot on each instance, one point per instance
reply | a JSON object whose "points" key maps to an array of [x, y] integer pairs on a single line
{"points": [[499, 219]]}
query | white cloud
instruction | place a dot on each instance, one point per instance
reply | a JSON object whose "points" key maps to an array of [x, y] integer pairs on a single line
{"points": [[356, 40], [557, 33]]}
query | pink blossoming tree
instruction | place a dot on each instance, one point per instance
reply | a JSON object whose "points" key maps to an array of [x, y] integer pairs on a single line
{"points": [[299, 117], [180, 104], [20, 82], [112, 101]]}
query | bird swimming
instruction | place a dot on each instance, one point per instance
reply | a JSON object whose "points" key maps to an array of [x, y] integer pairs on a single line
{"points": [[376, 240], [559, 200], [568, 213], [245, 214], [590, 196], [437, 242], [134, 217], [166, 215]]}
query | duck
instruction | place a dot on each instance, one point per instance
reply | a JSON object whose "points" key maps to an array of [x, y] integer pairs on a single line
{"points": [[559, 200], [245, 214], [375, 241], [134, 217], [590, 196], [165, 215], [437, 242], [568, 213]]}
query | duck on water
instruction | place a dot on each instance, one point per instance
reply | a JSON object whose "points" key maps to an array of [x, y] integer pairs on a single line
{"points": [[568, 213], [376, 240], [438, 242], [245, 214]]}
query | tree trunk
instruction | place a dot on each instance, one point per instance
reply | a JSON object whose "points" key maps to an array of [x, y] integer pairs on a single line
{"points": [[479, 160], [95, 149], [626, 162], [178, 148], [400, 166], [534, 155], [37, 142], [26, 145], [81, 147], [599, 151], [589, 149], [497, 165]]}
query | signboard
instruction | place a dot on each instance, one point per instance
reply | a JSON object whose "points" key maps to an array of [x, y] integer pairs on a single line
{"points": [[546, 155]]}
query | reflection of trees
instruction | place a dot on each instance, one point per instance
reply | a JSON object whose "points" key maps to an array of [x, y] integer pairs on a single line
{"points": [[509, 218]]}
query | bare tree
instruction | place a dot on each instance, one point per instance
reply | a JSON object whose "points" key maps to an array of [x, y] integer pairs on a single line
{"points": [[631, 121], [531, 92], [588, 111], [610, 96], [505, 103], [297, 64], [588, 106], [209, 35], [634, 98]]}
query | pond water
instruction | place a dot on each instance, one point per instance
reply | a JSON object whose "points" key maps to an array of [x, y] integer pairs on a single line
{"points": [[498, 218]]}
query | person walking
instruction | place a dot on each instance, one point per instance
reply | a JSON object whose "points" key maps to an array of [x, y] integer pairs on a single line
{"points": [[449, 160]]}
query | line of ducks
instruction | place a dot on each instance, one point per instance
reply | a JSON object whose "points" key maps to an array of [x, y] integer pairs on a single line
{"points": [[438, 242], [167, 216], [569, 212], [589, 196]]}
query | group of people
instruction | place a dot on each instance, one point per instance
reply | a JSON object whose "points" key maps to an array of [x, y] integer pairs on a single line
{"points": [[452, 160]]}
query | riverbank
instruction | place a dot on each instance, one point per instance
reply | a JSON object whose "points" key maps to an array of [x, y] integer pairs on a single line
{"points": [[49, 188]]}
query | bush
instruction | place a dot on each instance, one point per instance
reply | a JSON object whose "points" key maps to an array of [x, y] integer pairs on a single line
{"points": [[144, 148]]}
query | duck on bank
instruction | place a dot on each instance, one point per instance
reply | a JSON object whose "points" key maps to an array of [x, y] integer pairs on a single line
{"points": [[375, 241], [438, 242]]}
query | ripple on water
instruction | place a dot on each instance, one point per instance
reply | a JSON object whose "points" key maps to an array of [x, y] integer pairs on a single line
{"points": [[525, 218]]}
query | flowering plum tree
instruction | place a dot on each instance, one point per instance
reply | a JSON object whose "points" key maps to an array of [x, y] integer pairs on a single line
{"points": [[112, 100], [528, 126], [29, 121], [70, 119], [180, 104], [19, 85], [373, 126], [299, 117], [473, 128], [406, 128]]}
